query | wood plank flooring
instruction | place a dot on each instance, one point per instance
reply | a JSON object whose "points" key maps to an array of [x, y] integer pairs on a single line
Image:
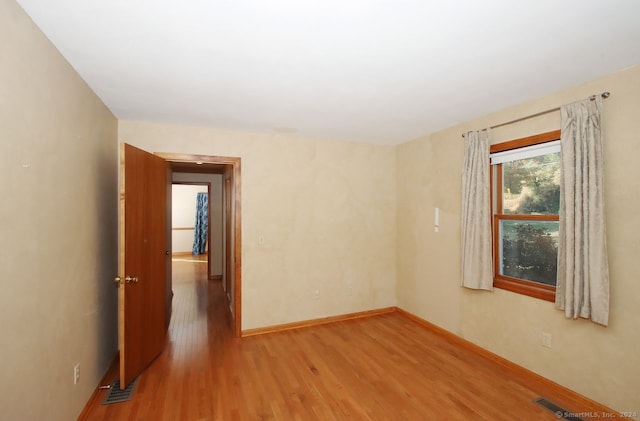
{"points": [[384, 367]]}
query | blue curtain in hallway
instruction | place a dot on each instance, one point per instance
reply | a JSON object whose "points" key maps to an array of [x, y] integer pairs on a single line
{"points": [[202, 224]]}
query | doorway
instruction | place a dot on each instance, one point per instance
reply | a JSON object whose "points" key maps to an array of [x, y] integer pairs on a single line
{"points": [[186, 225], [229, 170], [190, 235]]}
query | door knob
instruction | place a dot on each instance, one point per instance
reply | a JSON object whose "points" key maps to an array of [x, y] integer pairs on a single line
{"points": [[118, 280]]}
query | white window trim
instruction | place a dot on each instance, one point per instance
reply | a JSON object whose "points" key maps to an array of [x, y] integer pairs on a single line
{"points": [[525, 152]]}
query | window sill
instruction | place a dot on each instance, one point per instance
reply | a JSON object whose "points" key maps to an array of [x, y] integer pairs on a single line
{"points": [[532, 289]]}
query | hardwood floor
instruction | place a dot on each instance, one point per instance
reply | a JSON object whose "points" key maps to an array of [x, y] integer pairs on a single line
{"points": [[385, 367]]}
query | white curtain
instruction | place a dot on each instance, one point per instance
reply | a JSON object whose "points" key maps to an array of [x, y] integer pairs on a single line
{"points": [[477, 262], [583, 270]]}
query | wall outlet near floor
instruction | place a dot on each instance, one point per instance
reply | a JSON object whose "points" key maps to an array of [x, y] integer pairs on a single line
{"points": [[316, 294], [546, 339], [76, 373]]}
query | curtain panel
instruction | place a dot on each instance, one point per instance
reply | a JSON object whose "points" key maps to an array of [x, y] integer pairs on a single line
{"points": [[201, 225], [477, 262], [583, 270]]}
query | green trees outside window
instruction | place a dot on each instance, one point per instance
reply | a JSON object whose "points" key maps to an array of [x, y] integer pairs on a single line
{"points": [[530, 247], [526, 203]]}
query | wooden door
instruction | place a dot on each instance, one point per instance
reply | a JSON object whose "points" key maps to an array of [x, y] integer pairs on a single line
{"points": [[142, 263]]}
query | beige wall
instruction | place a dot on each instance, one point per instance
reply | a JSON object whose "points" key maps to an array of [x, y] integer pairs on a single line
{"points": [[326, 211], [601, 363], [58, 305]]}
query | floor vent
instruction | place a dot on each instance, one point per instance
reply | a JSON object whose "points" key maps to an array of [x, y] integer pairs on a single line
{"points": [[561, 413], [116, 395]]}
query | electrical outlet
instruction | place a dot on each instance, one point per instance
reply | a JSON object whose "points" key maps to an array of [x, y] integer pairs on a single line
{"points": [[316, 294], [76, 373], [546, 339]]}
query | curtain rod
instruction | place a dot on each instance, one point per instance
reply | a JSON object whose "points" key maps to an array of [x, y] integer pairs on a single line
{"points": [[517, 120]]}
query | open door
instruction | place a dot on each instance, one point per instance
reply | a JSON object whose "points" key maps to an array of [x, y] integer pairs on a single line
{"points": [[142, 262]]}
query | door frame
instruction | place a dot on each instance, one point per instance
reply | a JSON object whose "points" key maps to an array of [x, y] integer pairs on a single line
{"points": [[234, 162], [208, 185], [227, 195]]}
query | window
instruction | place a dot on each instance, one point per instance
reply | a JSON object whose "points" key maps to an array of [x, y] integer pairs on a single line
{"points": [[525, 205]]}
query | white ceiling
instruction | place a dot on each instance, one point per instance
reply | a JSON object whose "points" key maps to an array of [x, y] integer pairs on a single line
{"points": [[379, 71]]}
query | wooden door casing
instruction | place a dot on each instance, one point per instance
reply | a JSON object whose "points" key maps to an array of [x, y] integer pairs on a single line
{"points": [[228, 236]]}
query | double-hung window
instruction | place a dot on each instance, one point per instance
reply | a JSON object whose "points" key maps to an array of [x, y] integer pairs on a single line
{"points": [[525, 205]]}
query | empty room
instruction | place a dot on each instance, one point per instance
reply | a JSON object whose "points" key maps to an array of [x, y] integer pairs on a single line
{"points": [[414, 210]]}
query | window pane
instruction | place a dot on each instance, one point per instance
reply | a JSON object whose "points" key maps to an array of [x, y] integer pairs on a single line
{"points": [[532, 186], [529, 250]]}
